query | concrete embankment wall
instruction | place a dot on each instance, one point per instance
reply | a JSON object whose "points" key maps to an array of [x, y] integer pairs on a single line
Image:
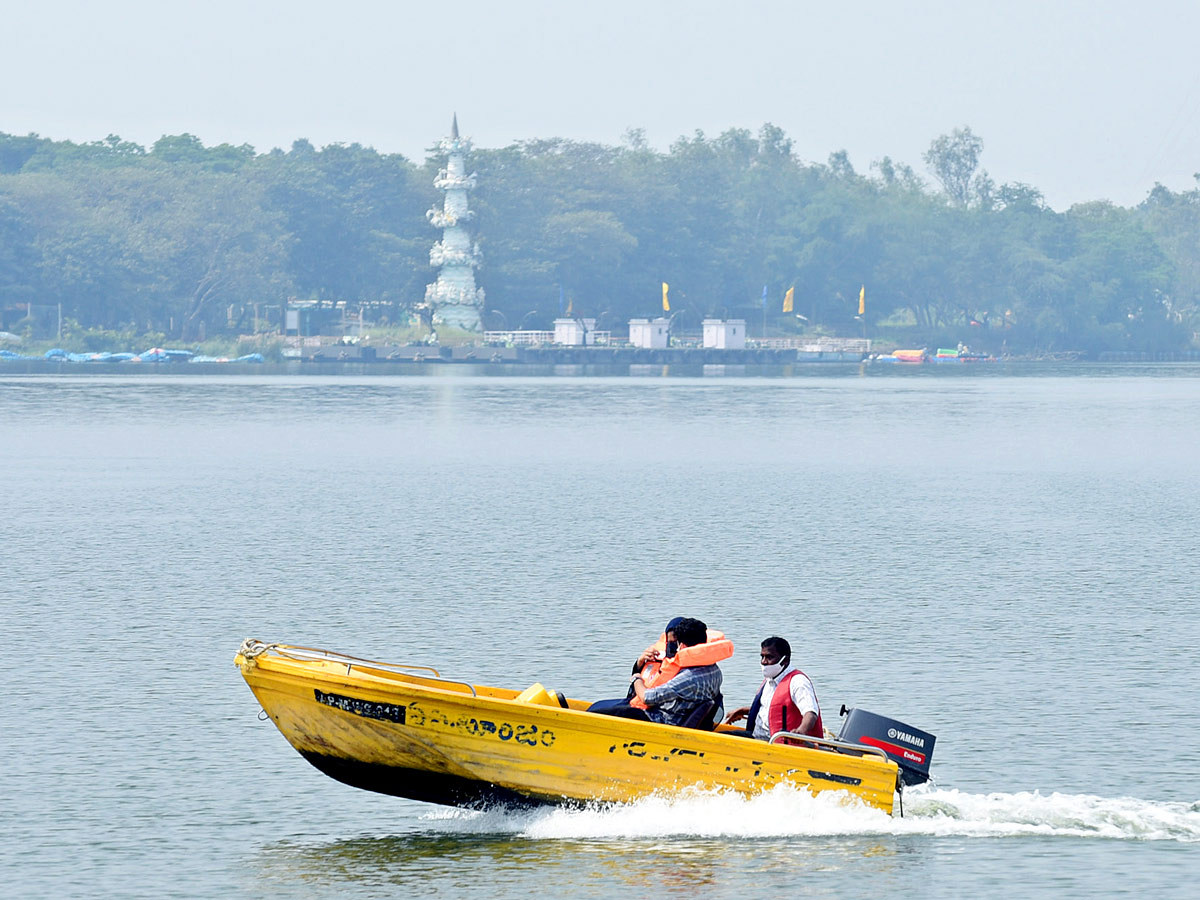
{"points": [[576, 355], [1160, 356]]}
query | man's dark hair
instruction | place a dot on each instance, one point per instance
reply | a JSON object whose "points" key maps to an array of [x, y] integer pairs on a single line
{"points": [[691, 632], [780, 646]]}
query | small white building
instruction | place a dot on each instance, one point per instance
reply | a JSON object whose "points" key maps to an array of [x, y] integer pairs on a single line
{"points": [[725, 334], [575, 332], [651, 334]]}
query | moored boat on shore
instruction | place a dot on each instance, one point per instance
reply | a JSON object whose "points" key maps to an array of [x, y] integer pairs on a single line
{"points": [[961, 355]]}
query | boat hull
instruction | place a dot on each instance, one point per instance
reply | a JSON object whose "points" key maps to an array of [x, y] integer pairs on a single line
{"points": [[446, 742], [422, 785]]}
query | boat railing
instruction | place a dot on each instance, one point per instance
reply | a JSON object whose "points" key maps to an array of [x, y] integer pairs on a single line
{"points": [[837, 746], [252, 648]]}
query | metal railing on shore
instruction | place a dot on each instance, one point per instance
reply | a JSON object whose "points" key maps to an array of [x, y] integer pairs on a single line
{"points": [[814, 344], [524, 338]]}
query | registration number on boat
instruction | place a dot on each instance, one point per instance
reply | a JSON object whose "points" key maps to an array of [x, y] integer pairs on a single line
{"points": [[413, 715]]}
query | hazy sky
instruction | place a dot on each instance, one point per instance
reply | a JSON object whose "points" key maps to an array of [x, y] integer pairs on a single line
{"points": [[1085, 100]]}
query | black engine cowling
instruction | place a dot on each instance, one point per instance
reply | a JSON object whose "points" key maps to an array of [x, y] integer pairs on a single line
{"points": [[911, 748]]}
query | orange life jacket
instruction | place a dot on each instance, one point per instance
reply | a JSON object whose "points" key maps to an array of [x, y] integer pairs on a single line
{"points": [[658, 673]]}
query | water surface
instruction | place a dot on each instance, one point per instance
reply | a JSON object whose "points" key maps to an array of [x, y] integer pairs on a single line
{"points": [[1006, 561]]}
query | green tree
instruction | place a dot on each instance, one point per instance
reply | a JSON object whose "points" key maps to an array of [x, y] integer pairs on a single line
{"points": [[18, 254], [954, 160], [16, 151], [356, 220], [1174, 220]]}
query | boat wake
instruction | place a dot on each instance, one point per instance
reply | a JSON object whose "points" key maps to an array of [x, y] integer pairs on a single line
{"points": [[787, 812]]}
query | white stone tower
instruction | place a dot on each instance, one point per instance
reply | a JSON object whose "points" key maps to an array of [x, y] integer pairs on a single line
{"points": [[454, 298]]}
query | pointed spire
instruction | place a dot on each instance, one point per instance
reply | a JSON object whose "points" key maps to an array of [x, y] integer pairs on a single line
{"points": [[454, 128]]}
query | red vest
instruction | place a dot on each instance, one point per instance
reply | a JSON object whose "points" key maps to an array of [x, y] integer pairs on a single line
{"points": [[784, 715]]}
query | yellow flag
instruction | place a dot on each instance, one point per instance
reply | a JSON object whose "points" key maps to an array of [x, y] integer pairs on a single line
{"points": [[666, 302], [862, 299], [570, 305], [787, 299]]}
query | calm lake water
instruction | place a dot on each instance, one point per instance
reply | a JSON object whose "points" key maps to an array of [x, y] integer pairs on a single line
{"points": [[1004, 557]]}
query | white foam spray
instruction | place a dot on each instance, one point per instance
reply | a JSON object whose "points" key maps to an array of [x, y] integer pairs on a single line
{"points": [[788, 812]]}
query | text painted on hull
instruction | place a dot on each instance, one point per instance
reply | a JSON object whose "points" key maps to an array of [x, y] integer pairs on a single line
{"points": [[368, 709], [416, 717]]}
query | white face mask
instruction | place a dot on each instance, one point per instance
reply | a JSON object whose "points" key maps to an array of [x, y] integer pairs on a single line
{"points": [[773, 670]]}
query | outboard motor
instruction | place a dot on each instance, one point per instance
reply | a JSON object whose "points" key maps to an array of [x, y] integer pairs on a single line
{"points": [[910, 748]]}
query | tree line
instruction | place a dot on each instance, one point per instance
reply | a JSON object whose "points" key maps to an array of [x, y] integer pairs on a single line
{"points": [[186, 240]]}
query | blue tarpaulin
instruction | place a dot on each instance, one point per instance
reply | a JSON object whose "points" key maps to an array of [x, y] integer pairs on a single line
{"points": [[154, 354]]}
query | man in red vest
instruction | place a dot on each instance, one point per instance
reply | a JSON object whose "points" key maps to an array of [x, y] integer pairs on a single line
{"points": [[786, 701]]}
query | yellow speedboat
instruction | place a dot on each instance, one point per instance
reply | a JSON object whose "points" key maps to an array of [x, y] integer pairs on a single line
{"points": [[405, 730]]}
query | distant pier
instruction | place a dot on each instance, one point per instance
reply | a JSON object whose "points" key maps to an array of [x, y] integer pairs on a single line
{"points": [[600, 356], [768, 353]]}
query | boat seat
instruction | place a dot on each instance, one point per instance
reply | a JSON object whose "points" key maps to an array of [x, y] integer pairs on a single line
{"points": [[536, 693], [561, 698], [704, 716]]}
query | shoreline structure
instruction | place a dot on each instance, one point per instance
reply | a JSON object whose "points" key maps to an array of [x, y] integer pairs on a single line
{"points": [[609, 360]]}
